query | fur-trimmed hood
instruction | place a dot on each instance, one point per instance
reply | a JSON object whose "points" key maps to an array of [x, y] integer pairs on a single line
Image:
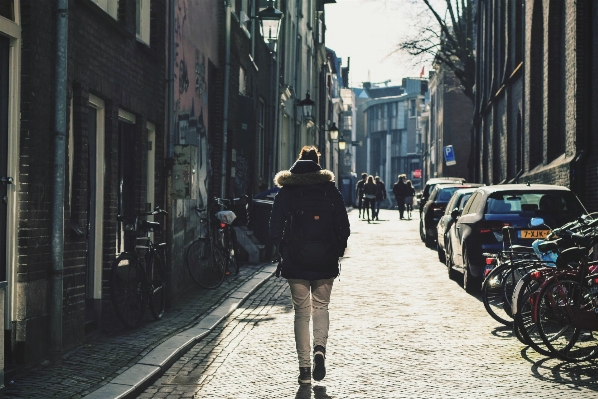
{"points": [[303, 173]]}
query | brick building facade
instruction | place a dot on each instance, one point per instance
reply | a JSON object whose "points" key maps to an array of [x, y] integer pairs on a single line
{"points": [[536, 111], [450, 113], [115, 135]]}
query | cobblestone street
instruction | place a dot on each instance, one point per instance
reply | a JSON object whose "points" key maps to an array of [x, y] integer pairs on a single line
{"points": [[399, 329]]}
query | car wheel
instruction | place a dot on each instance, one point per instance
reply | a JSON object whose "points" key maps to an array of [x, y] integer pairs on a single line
{"points": [[441, 254], [452, 273], [429, 241], [471, 284], [422, 233]]}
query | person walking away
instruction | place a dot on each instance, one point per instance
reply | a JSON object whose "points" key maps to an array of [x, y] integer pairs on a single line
{"points": [[409, 198], [369, 193], [380, 195], [359, 191], [309, 224], [399, 189]]}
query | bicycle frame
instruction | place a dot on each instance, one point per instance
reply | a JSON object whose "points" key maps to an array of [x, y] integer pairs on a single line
{"points": [[579, 316]]}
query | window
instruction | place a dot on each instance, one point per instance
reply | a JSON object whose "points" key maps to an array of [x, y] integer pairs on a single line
{"points": [[412, 107], [244, 7], [143, 21], [348, 122], [7, 9], [242, 81], [110, 6], [543, 204], [472, 204], [464, 200]]}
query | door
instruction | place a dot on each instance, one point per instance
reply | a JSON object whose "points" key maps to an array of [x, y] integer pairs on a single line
{"points": [[126, 178], [461, 227], [5, 180], [96, 157]]}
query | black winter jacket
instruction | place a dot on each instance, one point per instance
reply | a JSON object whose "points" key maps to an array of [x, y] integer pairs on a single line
{"points": [[302, 173]]}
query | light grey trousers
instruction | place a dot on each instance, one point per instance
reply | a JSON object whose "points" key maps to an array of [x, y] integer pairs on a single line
{"points": [[310, 298]]}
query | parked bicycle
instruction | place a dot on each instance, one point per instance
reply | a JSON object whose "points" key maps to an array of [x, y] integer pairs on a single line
{"points": [[539, 318], [213, 256], [503, 271], [137, 279]]}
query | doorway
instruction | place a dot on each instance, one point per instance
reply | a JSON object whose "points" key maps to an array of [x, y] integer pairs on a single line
{"points": [[96, 159]]}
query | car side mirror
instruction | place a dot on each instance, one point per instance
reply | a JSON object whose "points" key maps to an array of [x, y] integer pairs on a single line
{"points": [[419, 196], [455, 213]]}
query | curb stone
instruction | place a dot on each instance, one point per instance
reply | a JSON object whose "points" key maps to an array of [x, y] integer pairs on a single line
{"points": [[149, 368]]}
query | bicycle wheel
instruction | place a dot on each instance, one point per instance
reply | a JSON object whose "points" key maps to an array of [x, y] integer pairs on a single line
{"points": [[497, 291], [126, 290], [157, 296], [205, 263], [233, 264], [523, 324], [567, 342]]}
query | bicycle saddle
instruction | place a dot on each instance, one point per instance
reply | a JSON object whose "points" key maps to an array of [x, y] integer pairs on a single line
{"points": [[522, 248], [146, 224]]}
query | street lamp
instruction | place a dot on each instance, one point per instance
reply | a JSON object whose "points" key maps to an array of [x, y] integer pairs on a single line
{"points": [[342, 144], [333, 131], [308, 107], [270, 22]]}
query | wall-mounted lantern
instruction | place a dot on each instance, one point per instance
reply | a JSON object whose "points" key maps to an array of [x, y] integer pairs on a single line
{"points": [[342, 144], [308, 107], [270, 19]]}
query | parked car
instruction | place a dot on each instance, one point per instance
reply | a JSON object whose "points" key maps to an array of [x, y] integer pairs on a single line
{"points": [[422, 197], [434, 208], [478, 229], [446, 223]]}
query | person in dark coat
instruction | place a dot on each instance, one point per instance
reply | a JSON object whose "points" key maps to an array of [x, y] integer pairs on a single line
{"points": [[409, 198], [359, 191], [401, 191], [310, 286], [369, 194], [380, 196]]}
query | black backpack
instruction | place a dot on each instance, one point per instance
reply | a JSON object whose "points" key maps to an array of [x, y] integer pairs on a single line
{"points": [[315, 230]]}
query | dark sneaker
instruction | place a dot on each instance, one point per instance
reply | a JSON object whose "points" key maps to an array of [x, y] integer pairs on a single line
{"points": [[304, 375], [319, 360]]}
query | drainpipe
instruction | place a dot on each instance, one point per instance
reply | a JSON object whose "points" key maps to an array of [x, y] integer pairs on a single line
{"points": [[225, 105], [171, 50], [59, 183]]}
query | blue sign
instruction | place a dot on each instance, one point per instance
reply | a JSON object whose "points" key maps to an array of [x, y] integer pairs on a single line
{"points": [[449, 155]]}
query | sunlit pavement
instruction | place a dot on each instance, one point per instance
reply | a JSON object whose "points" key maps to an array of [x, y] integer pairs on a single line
{"points": [[399, 329]]}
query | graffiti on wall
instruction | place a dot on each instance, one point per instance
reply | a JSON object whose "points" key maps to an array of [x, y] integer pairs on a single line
{"points": [[190, 110]]}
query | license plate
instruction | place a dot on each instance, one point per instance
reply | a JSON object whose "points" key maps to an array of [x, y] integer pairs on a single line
{"points": [[532, 233]]}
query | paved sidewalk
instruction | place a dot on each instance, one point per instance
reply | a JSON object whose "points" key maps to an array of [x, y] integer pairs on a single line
{"points": [[115, 364], [400, 328]]}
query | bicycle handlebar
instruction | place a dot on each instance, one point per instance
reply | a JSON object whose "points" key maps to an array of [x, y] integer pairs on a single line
{"points": [[156, 211]]}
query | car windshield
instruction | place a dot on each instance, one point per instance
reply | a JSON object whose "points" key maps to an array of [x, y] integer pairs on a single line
{"points": [[445, 194], [547, 202]]}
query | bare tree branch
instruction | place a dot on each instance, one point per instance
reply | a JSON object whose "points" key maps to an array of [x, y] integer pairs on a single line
{"points": [[450, 42]]}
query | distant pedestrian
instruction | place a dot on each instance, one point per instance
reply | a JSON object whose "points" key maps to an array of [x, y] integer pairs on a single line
{"points": [[359, 191], [369, 193], [400, 191], [380, 195], [409, 198], [310, 225]]}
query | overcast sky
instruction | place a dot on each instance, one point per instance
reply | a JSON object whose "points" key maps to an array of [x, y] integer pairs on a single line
{"points": [[367, 31]]}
